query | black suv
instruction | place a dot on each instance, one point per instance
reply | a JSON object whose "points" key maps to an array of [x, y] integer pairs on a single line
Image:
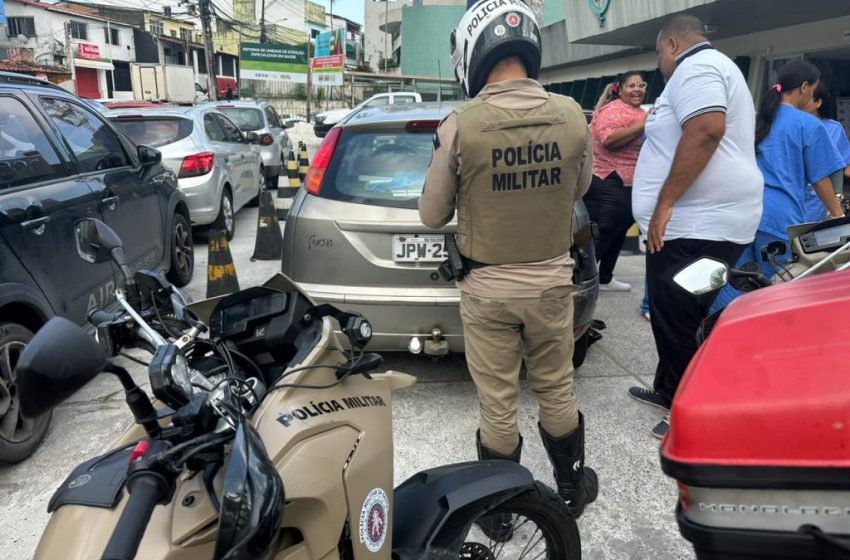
{"points": [[60, 161]]}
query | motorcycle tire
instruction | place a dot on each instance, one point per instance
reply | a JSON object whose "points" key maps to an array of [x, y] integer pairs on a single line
{"points": [[540, 506], [19, 437]]}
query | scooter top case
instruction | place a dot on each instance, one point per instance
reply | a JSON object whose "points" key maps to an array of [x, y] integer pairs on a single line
{"points": [[760, 434]]}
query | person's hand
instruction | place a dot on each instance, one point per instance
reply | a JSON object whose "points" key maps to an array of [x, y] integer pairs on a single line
{"points": [[657, 227]]}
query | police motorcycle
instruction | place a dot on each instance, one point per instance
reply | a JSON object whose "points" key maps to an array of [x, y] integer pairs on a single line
{"points": [[758, 439], [265, 439]]}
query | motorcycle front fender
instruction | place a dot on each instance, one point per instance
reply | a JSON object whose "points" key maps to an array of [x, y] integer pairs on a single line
{"points": [[434, 509]]}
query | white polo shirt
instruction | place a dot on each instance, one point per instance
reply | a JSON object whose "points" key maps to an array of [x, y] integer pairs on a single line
{"points": [[725, 201]]}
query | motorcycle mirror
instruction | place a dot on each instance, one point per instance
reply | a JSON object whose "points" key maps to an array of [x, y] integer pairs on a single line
{"points": [[97, 242], [60, 359], [703, 276], [252, 499]]}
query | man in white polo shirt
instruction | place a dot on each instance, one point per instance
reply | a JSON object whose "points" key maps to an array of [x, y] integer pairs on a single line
{"points": [[697, 190]]}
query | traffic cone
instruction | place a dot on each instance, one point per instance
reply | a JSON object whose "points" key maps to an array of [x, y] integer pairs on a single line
{"points": [[303, 161], [284, 194], [269, 243], [221, 273]]}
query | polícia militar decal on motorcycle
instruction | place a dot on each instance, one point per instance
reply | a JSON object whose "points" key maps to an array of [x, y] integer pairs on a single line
{"points": [[266, 438]]}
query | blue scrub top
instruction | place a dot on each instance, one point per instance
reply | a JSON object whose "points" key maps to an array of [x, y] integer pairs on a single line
{"points": [[815, 210], [796, 153]]}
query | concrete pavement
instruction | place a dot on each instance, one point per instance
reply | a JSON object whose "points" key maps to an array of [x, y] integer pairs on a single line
{"points": [[435, 422]]}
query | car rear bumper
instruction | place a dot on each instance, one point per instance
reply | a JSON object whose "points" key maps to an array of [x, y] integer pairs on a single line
{"points": [[400, 314], [202, 197]]}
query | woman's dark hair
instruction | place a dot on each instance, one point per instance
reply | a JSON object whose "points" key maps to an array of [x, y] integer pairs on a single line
{"points": [[791, 76], [827, 107], [612, 90]]}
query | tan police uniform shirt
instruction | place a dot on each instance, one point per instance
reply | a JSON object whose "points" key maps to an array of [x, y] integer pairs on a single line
{"points": [[438, 202]]}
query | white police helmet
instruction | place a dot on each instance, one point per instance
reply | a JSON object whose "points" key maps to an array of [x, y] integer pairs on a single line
{"points": [[488, 32]]}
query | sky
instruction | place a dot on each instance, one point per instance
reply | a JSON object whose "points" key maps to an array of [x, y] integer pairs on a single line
{"points": [[351, 9]]}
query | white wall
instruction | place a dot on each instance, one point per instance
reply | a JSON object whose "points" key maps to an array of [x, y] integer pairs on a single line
{"points": [[50, 32]]}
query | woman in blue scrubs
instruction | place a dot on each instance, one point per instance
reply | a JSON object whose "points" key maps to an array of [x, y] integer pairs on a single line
{"points": [[822, 107], [795, 154]]}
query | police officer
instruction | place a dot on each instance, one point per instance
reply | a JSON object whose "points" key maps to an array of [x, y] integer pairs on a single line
{"points": [[511, 161]]}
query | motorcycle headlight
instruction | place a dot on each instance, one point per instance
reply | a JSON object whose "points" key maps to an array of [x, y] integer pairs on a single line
{"points": [[170, 379]]}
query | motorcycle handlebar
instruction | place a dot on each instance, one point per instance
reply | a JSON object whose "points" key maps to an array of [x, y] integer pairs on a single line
{"points": [[99, 316], [146, 488]]}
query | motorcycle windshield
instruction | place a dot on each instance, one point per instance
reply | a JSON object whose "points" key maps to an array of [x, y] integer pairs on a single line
{"points": [[203, 309]]}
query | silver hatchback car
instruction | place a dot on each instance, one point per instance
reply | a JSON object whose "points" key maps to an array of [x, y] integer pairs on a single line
{"points": [[260, 117], [218, 166], [353, 237]]}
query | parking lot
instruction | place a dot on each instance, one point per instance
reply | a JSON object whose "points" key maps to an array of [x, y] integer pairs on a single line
{"points": [[435, 423]]}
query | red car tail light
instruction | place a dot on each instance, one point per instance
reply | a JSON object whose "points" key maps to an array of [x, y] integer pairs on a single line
{"points": [[266, 139], [197, 165], [321, 161]]}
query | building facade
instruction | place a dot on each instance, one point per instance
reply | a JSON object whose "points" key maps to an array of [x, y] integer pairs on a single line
{"points": [[97, 51], [601, 39]]}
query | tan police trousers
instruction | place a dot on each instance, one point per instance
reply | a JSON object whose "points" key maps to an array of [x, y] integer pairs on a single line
{"points": [[498, 334]]}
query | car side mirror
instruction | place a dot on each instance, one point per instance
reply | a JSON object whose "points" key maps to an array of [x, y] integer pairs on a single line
{"points": [[149, 156], [251, 137], [44, 379], [703, 276]]}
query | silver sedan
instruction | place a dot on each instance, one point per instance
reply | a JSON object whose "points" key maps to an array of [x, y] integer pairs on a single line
{"points": [[218, 166]]}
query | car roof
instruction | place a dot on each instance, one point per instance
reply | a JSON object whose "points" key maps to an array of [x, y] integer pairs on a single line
{"points": [[255, 104], [387, 114], [26, 81]]}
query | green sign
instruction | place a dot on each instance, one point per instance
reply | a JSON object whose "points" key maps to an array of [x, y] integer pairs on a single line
{"points": [[314, 13], [263, 61]]}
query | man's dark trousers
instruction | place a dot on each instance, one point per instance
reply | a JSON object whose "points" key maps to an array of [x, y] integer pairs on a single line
{"points": [[675, 314]]}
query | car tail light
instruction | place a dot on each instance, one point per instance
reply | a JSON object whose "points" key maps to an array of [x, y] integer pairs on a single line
{"points": [[197, 165], [266, 139], [422, 126], [321, 161]]}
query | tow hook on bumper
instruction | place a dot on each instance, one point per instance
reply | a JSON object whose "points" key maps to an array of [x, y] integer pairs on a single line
{"points": [[436, 345]]}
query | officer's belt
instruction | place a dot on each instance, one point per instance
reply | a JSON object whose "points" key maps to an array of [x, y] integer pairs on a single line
{"points": [[586, 234]]}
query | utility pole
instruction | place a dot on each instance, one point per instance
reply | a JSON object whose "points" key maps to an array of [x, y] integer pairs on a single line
{"points": [[262, 22], [386, 35], [209, 49], [69, 50]]}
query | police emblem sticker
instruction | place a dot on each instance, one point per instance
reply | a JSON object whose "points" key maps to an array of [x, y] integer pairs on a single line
{"points": [[513, 19], [499, 30], [374, 516]]}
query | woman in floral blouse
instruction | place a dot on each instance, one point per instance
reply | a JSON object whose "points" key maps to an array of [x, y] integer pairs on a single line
{"points": [[617, 135]]}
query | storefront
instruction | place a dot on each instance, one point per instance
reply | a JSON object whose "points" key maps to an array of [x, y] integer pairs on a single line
{"points": [[93, 75], [759, 35]]}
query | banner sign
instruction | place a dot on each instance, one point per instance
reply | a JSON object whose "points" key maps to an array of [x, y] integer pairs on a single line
{"points": [[86, 50], [327, 70], [314, 13], [330, 43], [263, 61]]}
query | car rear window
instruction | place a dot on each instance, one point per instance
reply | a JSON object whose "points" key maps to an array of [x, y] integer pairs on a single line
{"points": [[154, 131], [246, 118], [380, 168]]}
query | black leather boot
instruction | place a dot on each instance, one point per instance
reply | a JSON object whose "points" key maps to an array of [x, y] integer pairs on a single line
{"points": [[499, 526], [577, 484]]}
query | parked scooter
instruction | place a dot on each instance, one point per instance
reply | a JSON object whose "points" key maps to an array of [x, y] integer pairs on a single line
{"points": [[815, 248], [758, 439], [266, 439]]}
